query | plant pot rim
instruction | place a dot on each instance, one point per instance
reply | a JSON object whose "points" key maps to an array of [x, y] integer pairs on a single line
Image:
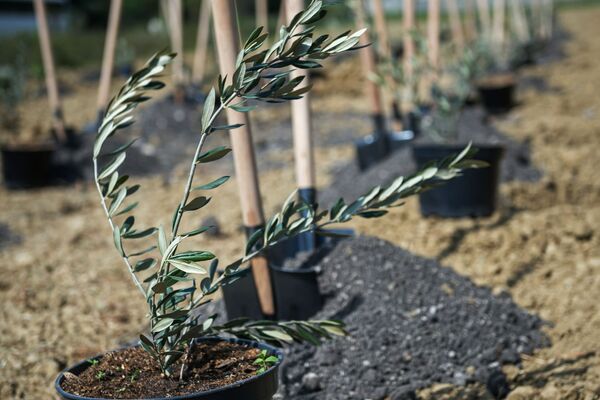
{"points": [[490, 81], [28, 147], [458, 146], [250, 343]]}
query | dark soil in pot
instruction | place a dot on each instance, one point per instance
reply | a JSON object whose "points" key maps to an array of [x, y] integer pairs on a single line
{"points": [[473, 194], [497, 92], [412, 323], [220, 369], [27, 166], [350, 182]]}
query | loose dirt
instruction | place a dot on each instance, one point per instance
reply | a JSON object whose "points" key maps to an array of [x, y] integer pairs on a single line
{"points": [[65, 295]]}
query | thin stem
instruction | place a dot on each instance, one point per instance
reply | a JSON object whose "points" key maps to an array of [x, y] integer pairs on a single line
{"points": [[113, 228]]}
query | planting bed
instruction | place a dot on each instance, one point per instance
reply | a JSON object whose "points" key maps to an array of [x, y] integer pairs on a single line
{"points": [[66, 295], [412, 323]]}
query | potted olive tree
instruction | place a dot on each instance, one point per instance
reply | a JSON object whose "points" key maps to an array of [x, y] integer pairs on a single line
{"points": [[474, 194], [26, 161], [186, 354]]}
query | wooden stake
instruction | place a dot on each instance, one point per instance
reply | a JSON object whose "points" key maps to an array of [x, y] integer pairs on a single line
{"points": [[281, 16], [262, 13], [385, 50], [226, 35], [175, 18], [519, 21], [485, 22], [536, 17], [408, 24], [301, 119], [470, 23], [383, 38], [499, 20], [373, 92], [433, 33], [108, 59], [456, 24], [58, 123], [202, 37]]}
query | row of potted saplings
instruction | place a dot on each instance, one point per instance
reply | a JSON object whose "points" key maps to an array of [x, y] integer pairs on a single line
{"points": [[179, 331], [40, 158], [426, 98]]}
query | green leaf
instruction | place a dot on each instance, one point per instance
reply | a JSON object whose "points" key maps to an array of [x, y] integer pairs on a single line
{"points": [[187, 267], [144, 264], [213, 185], [242, 108], [162, 240], [279, 335], [198, 231], [214, 154], [112, 166], [142, 252], [196, 203], [116, 203], [127, 209], [139, 235], [162, 325], [194, 256], [209, 107], [117, 240], [253, 239], [372, 214]]}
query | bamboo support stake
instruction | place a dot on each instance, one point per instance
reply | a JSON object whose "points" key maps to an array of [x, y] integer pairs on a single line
{"points": [[536, 16], [433, 33], [385, 51], [483, 9], [281, 16], [301, 120], [470, 21], [108, 59], [519, 21], [408, 24], [547, 19], [372, 90], [383, 37], [58, 123], [498, 25], [175, 17], [456, 24], [226, 35], [202, 37], [262, 13]]}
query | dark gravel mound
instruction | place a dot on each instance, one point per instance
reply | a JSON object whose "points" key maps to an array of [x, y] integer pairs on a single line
{"points": [[350, 182], [412, 323]]}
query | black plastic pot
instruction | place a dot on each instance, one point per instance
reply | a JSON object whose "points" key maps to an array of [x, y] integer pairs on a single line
{"points": [[259, 387], [27, 166], [295, 291], [370, 150], [415, 117], [473, 194], [399, 140], [497, 94]]}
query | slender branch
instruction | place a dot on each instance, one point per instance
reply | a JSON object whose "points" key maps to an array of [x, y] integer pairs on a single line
{"points": [[113, 228]]}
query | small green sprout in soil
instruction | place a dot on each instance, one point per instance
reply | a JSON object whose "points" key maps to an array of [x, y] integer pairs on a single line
{"points": [[100, 375], [264, 361]]}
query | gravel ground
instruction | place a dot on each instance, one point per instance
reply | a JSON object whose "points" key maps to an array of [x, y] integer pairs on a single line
{"points": [[412, 323]]}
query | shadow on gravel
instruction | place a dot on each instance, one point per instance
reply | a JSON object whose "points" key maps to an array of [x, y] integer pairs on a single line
{"points": [[412, 323]]}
